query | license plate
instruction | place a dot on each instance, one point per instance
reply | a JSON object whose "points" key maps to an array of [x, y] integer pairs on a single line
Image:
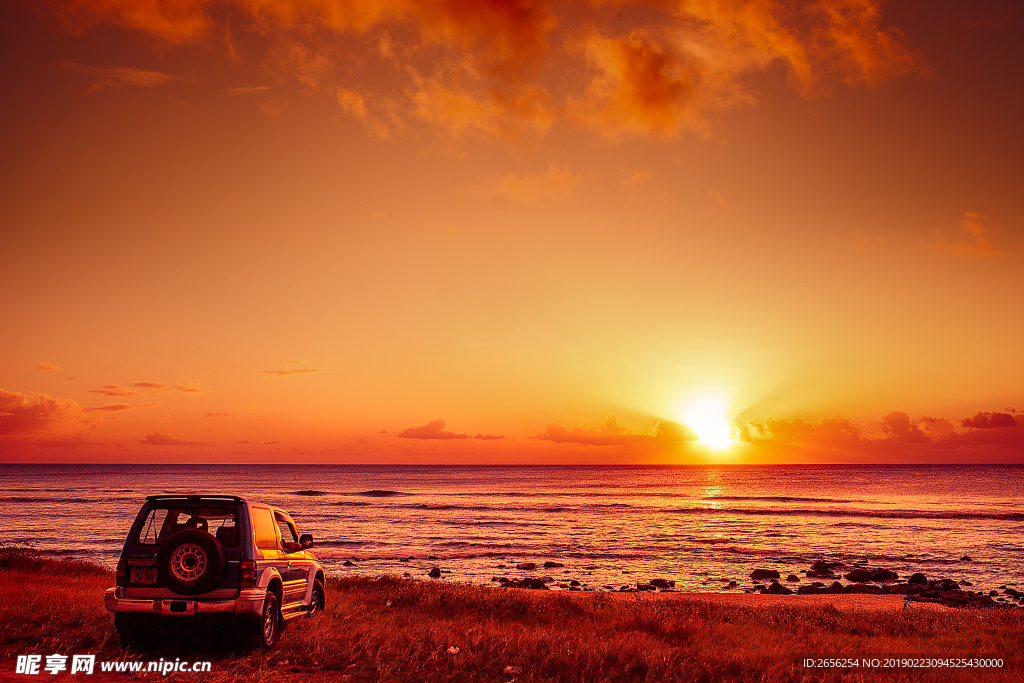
{"points": [[143, 574]]}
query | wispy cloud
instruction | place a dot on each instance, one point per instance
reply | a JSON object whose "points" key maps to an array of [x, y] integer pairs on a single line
{"points": [[436, 430], [291, 371], [532, 188], [157, 439], [249, 90], [218, 415], [113, 390], [977, 243], [119, 407], [46, 367], [118, 76], [21, 413]]}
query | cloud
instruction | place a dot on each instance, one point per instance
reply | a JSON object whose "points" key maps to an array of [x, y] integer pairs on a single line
{"points": [[899, 428], [531, 188], [611, 434], [991, 421], [118, 76], [46, 367], [192, 388], [353, 102], [150, 385], [157, 439], [295, 371], [217, 415], [493, 63], [835, 430], [436, 430], [113, 390], [249, 90], [22, 414], [978, 244], [119, 407], [69, 441]]}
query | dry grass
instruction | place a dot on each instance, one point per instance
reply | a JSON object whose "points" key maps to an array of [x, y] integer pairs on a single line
{"points": [[396, 630]]}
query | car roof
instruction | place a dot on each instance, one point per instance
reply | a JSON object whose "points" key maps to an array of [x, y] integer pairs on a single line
{"points": [[195, 497]]}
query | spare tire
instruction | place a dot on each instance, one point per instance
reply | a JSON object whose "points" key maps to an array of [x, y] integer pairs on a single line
{"points": [[191, 562]]}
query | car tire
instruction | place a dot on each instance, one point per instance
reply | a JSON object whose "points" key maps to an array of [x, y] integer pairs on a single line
{"points": [[318, 601], [191, 562], [265, 630]]}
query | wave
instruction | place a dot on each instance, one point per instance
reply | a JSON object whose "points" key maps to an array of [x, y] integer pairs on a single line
{"points": [[833, 512], [310, 492], [380, 493], [31, 499], [783, 499]]}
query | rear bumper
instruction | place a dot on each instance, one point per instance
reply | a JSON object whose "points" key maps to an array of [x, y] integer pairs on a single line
{"points": [[249, 602]]}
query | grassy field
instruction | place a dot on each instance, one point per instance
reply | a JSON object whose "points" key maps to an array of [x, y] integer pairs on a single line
{"points": [[400, 630]]}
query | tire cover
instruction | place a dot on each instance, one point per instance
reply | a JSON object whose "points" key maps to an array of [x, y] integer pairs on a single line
{"points": [[191, 562]]}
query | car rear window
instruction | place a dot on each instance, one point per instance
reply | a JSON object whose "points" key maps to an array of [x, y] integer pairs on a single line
{"points": [[166, 519]]}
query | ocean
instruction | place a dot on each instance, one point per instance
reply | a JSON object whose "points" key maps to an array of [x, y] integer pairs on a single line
{"points": [[610, 526]]}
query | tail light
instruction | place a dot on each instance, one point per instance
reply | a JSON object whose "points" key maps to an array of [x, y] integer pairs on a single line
{"points": [[246, 574], [122, 576]]}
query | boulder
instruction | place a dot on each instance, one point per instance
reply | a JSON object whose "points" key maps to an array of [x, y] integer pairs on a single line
{"points": [[864, 588], [884, 575], [836, 588], [662, 583], [552, 565], [777, 589], [810, 590], [820, 574], [761, 574], [526, 565], [431, 557], [825, 564], [966, 558], [733, 583], [348, 563], [918, 578], [792, 577], [859, 575], [574, 582], [944, 585], [434, 573]]}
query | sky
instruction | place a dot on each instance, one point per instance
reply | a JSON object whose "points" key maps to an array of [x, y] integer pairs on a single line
{"points": [[511, 231]]}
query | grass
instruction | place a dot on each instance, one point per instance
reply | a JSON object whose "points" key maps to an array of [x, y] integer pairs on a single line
{"points": [[398, 630]]}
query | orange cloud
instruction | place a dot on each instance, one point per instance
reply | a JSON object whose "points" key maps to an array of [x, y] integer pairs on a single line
{"points": [[115, 77], [983, 420], [113, 390], [978, 244], [611, 434], [20, 414], [834, 430], [899, 428], [150, 385], [46, 367], [436, 430], [488, 57], [531, 188], [295, 371], [157, 439], [118, 407]]}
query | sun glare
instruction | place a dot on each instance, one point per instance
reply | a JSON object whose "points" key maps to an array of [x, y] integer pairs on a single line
{"points": [[707, 418]]}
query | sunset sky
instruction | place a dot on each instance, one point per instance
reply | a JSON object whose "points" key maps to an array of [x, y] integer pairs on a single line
{"points": [[479, 231]]}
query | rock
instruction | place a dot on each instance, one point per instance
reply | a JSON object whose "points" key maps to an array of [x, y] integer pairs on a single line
{"points": [[777, 589], [836, 588], [884, 575], [404, 559], [552, 565], [407, 575], [859, 575], [574, 582], [944, 585], [904, 588], [733, 583], [662, 583], [644, 587], [966, 583], [761, 574], [434, 573], [824, 564], [526, 565], [431, 557], [575, 588], [993, 593], [966, 558], [792, 577], [918, 578], [348, 563], [547, 579]]}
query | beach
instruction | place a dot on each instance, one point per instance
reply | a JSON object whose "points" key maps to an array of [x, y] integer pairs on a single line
{"points": [[394, 629]]}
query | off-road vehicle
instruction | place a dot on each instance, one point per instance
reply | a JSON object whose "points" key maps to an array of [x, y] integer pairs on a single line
{"points": [[196, 555]]}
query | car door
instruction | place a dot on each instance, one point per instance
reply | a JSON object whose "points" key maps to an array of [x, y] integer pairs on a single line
{"points": [[295, 575]]}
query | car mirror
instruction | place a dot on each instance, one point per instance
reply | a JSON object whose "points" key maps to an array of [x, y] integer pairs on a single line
{"points": [[306, 541]]}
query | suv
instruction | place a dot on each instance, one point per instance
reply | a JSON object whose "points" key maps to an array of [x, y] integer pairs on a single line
{"points": [[210, 554]]}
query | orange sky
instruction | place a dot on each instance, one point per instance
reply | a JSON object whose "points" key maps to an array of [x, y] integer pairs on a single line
{"points": [[308, 230]]}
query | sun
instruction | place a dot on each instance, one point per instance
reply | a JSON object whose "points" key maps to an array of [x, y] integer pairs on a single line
{"points": [[707, 417]]}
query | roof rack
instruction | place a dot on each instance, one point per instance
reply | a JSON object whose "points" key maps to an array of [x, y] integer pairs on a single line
{"points": [[195, 496]]}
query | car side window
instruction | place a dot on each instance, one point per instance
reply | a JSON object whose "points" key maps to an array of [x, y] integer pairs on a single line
{"points": [[289, 536], [150, 530], [265, 528]]}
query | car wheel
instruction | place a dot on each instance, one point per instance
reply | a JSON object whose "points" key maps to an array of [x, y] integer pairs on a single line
{"points": [[191, 562], [318, 602], [267, 629]]}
